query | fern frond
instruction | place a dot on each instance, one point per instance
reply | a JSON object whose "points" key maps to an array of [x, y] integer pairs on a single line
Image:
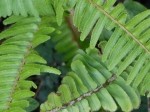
{"points": [[104, 14], [121, 48], [91, 87], [97, 15], [25, 7], [135, 74], [19, 61]]}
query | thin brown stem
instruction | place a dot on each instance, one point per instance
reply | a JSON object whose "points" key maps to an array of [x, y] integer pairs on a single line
{"points": [[85, 95], [74, 31]]}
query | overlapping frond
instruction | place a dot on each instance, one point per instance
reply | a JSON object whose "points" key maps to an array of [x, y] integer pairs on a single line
{"points": [[19, 60], [91, 87]]}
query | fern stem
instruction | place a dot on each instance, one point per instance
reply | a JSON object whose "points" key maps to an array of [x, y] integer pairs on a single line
{"points": [[18, 76], [74, 31], [119, 24], [85, 95]]}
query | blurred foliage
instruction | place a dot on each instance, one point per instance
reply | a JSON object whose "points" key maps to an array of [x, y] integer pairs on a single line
{"points": [[134, 7], [33, 105]]}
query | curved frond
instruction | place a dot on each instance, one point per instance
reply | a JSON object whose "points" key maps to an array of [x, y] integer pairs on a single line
{"points": [[91, 87], [19, 61]]}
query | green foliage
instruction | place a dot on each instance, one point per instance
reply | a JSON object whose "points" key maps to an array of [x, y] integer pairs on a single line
{"points": [[25, 7], [19, 60], [112, 73], [91, 82], [33, 104]]}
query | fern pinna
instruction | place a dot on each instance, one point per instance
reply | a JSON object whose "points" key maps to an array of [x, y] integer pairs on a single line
{"points": [[107, 81]]}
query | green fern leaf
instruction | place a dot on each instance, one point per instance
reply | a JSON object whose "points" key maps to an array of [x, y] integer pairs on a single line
{"points": [[25, 8], [101, 15], [17, 60], [84, 90]]}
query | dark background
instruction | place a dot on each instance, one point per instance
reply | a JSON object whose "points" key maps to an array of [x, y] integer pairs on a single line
{"points": [[145, 2]]}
